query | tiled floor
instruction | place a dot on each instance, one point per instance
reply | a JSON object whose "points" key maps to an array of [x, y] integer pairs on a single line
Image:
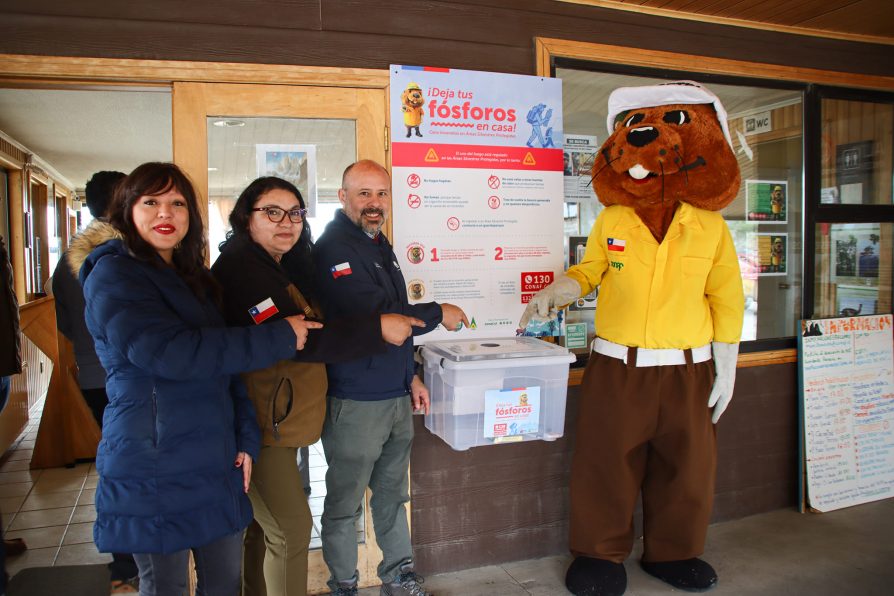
{"points": [[781, 552], [51, 509]]}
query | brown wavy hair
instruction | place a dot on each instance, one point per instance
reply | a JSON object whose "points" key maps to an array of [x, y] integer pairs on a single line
{"points": [[153, 179]]}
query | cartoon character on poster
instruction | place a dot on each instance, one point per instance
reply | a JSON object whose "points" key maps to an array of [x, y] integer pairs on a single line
{"points": [[538, 117], [412, 101]]}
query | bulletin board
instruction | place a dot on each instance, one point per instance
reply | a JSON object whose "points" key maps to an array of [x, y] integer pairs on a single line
{"points": [[846, 381]]}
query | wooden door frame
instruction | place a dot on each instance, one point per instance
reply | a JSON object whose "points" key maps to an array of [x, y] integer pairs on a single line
{"points": [[193, 103]]}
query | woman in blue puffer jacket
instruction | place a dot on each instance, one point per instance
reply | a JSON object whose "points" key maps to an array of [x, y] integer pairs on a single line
{"points": [[179, 433]]}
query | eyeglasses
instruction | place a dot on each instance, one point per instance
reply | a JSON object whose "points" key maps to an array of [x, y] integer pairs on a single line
{"points": [[276, 215]]}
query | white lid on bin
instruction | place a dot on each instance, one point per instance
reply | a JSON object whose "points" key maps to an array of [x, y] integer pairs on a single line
{"points": [[494, 349]]}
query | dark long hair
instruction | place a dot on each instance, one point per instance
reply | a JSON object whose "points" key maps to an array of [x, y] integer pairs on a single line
{"points": [[153, 179], [297, 262]]}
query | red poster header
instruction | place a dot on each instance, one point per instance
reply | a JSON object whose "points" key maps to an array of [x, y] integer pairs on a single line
{"points": [[436, 155]]}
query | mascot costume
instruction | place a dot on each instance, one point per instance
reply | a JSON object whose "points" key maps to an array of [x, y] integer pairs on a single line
{"points": [[668, 323]]}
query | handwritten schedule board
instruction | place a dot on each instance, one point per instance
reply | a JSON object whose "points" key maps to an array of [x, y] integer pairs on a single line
{"points": [[847, 406]]}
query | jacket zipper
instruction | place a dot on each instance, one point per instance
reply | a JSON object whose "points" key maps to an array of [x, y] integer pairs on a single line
{"points": [[154, 417]]}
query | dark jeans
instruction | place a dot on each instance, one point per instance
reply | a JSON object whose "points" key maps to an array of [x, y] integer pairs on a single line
{"points": [[218, 569]]}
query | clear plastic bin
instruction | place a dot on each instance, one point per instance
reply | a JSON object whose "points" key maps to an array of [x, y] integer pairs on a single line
{"points": [[488, 391]]}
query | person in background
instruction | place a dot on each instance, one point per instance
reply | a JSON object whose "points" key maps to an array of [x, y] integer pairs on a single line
{"points": [[69, 297], [368, 430], [179, 434], [70, 302], [266, 261], [10, 361]]}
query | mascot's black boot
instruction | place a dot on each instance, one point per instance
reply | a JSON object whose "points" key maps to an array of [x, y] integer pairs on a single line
{"points": [[595, 577], [691, 575]]}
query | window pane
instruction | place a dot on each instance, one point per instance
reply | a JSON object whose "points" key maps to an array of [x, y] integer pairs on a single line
{"points": [[764, 219], [233, 162], [857, 152], [853, 269]]}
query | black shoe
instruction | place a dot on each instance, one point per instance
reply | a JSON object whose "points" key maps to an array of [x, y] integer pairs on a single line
{"points": [[595, 577], [691, 575]]}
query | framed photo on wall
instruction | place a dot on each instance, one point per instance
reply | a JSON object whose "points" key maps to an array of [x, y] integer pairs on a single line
{"points": [[295, 163], [855, 253]]}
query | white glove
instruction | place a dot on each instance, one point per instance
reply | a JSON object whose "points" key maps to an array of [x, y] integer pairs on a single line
{"points": [[725, 358], [546, 303]]}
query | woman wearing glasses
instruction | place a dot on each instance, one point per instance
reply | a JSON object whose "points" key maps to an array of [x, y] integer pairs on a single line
{"points": [[266, 273]]}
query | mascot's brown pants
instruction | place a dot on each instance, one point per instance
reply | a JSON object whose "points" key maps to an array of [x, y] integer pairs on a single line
{"points": [[643, 428]]}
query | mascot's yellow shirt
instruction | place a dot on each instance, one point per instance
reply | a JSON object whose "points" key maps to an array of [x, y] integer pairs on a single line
{"points": [[682, 293], [412, 116]]}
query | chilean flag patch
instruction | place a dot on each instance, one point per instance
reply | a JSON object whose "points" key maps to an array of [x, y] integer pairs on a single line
{"points": [[616, 244], [262, 311], [341, 270]]}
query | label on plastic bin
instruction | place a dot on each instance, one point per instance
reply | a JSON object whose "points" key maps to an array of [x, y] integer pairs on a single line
{"points": [[511, 412]]}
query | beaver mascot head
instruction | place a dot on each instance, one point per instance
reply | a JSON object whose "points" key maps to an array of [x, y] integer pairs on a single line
{"points": [[412, 96], [668, 143]]}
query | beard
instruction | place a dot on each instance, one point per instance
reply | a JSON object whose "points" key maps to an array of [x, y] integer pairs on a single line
{"points": [[371, 230]]}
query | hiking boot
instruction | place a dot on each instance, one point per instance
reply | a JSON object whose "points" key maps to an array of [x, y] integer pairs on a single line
{"points": [[344, 588], [407, 583]]}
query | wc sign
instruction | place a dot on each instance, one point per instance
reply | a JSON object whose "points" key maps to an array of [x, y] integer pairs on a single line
{"points": [[758, 123]]}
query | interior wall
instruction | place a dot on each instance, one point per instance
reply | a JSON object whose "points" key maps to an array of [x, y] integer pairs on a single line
{"points": [[491, 35]]}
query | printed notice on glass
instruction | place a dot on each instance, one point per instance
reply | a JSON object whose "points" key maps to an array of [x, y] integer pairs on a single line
{"points": [[477, 191], [511, 412], [847, 405]]}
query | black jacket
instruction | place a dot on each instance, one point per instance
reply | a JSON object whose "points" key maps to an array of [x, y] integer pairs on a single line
{"points": [[10, 341], [290, 396]]}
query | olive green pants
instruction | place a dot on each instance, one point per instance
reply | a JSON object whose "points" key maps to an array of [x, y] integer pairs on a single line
{"points": [[275, 557]]}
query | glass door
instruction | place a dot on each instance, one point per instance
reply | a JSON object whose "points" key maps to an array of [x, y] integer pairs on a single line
{"points": [[227, 135]]}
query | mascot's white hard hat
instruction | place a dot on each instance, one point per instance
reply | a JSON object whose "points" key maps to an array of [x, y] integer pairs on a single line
{"points": [[624, 99]]}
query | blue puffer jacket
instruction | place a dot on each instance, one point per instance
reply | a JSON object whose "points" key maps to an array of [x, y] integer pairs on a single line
{"points": [[177, 413]]}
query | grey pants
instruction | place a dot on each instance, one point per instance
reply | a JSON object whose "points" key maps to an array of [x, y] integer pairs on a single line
{"points": [[367, 444]]}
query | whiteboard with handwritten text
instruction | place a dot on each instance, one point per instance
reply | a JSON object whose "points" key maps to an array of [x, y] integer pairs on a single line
{"points": [[847, 404]]}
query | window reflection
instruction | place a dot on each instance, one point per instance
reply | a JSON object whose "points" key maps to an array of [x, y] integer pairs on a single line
{"points": [[853, 269], [857, 152]]}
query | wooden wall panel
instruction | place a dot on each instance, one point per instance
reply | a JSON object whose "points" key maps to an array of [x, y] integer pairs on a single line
{"points": [[25, 34], [488, 35], [288, 14], [489, 505]]}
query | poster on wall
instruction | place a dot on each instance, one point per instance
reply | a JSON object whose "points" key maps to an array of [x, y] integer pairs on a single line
{"points": [[295, 163], [766, 200], [478, 211], [853, 172], [578, 157], [847, 410], [767, 253], [855, 253]]}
